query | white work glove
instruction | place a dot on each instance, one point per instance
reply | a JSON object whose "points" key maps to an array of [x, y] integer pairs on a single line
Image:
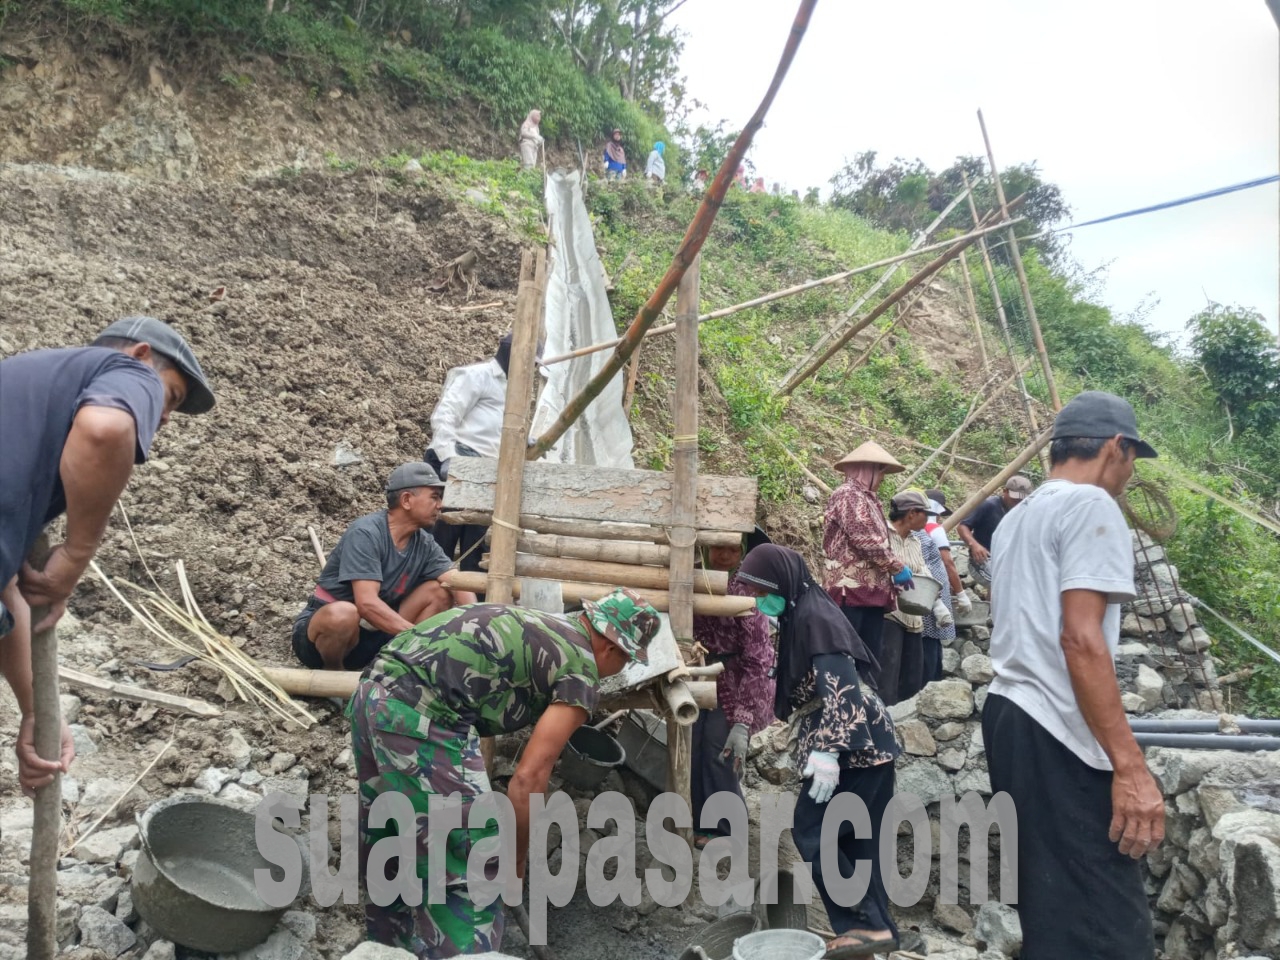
{"points": [[964, 603], [942, 614], [825, 769]]}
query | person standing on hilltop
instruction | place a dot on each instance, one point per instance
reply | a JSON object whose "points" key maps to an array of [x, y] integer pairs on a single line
{"points": [[656, 167], [74, 423], [615, 157], [1053, 727], [530, 140]]}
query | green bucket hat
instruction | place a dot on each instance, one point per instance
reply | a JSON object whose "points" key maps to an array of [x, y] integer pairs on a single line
{"points": [[627, 619]]}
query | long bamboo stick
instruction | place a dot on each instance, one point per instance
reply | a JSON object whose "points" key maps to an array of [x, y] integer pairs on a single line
{"points": [[575, 592], [581, 548], [838, 343], [694, 237], [1018, 462], [196, 708], [973, 310], [834, 278], [598, 529], [42, 887], [1022, 274], [711, 582], [515, 425]]}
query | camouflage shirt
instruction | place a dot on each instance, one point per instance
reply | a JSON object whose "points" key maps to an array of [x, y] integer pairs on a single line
{"points": [[497, 666]]}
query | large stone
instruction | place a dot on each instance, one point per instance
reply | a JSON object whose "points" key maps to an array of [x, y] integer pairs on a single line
{"points": [[1132, 650], [946, 700], [904, 710], [1149, 685], [101, 931], [948, 731], [950, 661], [976, 668], [83, 740], [107, 846], [916, 739], [237, 750], [952, 916], [1179, 770], [100, 794], [1195, 640], [976, 779], [160, 950], [1216, 801], [1181, 618], [1133, 703], [925, 779], [213, 779], [1254, 876], [997, 926], [1133, 625], [951, 760], [70, 704]]}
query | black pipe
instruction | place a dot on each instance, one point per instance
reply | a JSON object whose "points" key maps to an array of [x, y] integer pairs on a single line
{"points": [[1173, 725], [1207, 741]]}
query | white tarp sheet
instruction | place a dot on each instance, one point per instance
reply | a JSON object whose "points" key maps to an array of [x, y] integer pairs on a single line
{"points": [[577, 315]]}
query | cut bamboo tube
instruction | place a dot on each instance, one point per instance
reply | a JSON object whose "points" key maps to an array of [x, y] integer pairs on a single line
{"points": [[42, 888], [1022, 273], [600, 529], [714, 582], [515, 426], [582, 548], [650, 698], [705, 605], [1020, 461], [682, 710], [196, 708]]}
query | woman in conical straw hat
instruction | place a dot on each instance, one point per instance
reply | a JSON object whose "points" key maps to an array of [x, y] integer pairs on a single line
{"points": [[862, 571]]}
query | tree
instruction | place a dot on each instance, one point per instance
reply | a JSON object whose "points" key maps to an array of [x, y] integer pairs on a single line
{"points": [[628, 42], [1240, 359]]}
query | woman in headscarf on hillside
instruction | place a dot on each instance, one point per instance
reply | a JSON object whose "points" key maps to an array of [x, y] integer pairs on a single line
{"points": [[861, 568], [615, 157], [530, 140], [744, 691], [843, 736], [656, 166]]}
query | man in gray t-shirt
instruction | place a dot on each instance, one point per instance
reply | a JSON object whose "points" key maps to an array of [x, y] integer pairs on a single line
{"points": [[1055, 733], [385, 575]]}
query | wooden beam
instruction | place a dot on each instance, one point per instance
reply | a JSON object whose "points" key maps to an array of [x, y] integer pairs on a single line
{"points": [[603, 493], [510, 465], [187, 705], [711, 582], [575, 592], [42, 889], [603, 530]]}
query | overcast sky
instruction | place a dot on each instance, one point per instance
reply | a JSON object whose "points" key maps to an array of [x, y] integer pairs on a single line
{"points": [[1122, 103]]}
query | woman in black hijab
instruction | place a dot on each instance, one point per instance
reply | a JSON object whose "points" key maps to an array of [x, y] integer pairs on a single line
{"points": [[843, 735]]}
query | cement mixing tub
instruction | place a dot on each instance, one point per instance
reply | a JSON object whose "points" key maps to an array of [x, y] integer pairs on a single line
{"points": [[643, 736], [780, 945], [193, 882], [920, 599], [715, 942], [589, 757]]}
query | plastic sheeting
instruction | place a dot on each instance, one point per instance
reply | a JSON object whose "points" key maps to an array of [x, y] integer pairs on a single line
{"points": [[577, 315]]}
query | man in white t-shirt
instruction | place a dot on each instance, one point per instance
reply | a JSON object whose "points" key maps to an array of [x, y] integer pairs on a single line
{"points": [[1056, 736]]}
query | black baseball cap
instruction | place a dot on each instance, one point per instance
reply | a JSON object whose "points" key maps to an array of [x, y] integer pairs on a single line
{"points": [[416, 473], [1099, 415], [171, 345]]}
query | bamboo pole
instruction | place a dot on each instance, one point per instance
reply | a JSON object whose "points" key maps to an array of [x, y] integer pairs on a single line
{"points": [[704, 604], [1018, 462], [598, 529], [884, 334], [42, 888], [188, 705], [515, 426], [651, 697], [834, 278], [812, 477], [922, 275], [969, 418], [689, 246], [973, 310], [710, 582], [580, 548], [1022, 274]]}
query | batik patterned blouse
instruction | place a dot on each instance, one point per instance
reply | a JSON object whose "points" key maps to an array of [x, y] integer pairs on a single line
{"points": [[835, 714], [856, 543], [744, 690]]}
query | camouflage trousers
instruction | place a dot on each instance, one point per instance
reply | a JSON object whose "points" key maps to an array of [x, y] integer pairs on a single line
{"points": [[398, 748]]}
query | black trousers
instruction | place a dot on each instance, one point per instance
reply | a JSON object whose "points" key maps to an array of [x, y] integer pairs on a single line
{"points": [[708, 775], [457, 538], [869, 624], [875, 786], [1078, 895], [902, 664], [932, 659]]}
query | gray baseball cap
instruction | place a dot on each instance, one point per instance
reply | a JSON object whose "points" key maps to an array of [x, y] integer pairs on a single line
{"points": [[1099, 415], [413, 474], [170, 344]]}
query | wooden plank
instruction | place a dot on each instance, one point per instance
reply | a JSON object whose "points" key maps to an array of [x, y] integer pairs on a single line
{"points": [[603, 493], [188, 705], [603, 530], [574, 593], [616, 575]]}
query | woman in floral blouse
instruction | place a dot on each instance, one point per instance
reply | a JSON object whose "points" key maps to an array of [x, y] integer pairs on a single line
{"points": [[861, 569], [843, 736], [744, 694]]}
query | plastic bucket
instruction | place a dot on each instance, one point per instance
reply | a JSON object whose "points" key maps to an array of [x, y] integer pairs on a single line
{"points": [[589, 757], [920, 599], [780, 945], [715, 941]]}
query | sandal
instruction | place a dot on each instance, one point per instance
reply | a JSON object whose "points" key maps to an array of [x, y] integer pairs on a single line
{"points": [[856, 945]]}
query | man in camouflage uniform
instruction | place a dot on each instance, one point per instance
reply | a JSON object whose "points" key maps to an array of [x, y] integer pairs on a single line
{"points": [[419, 712]]}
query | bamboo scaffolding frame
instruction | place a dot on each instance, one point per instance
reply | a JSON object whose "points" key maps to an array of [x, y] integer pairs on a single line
{"points": [[694, 237], [1018, 462], [594, 529], [1022, 274], [973, 310]]}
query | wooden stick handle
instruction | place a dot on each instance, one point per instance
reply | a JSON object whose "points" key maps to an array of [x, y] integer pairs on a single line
{"points": [[42, 890]]}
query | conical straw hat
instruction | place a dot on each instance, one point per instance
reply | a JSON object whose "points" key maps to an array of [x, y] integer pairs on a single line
{"points": [[872, 452]]}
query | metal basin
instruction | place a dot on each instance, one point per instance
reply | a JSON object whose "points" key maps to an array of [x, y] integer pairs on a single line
{"points": [[588, 758], [193, 882], [715, 942], [920, 599], [644, 737]]}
